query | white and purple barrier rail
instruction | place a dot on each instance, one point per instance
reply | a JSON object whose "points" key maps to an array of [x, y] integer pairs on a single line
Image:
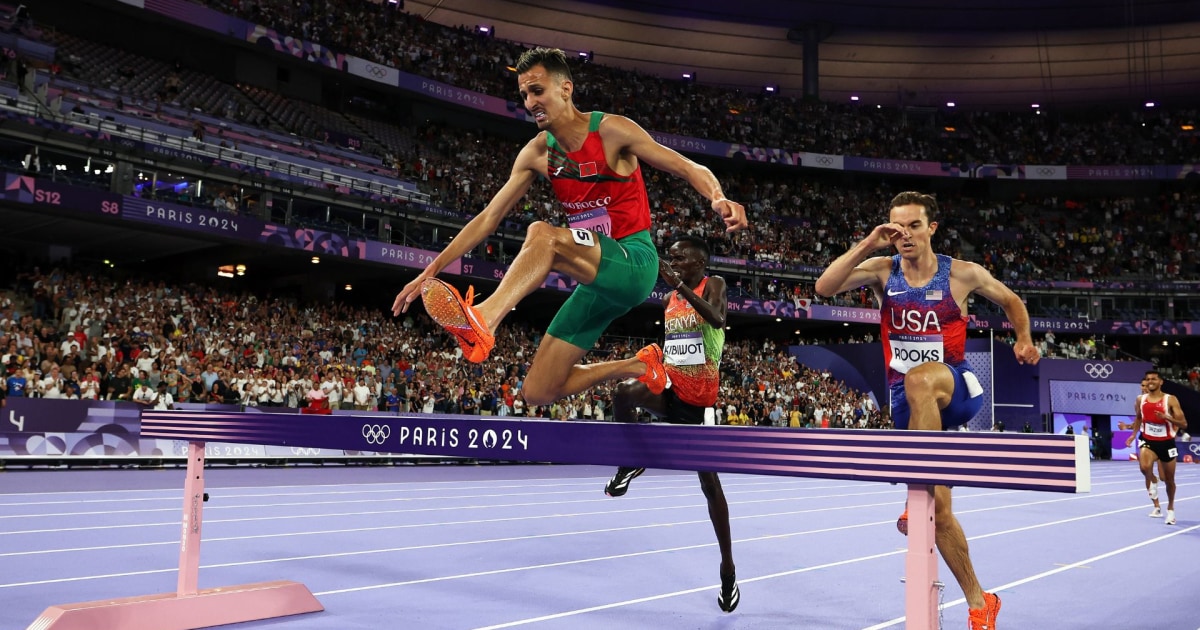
{"points": [[1052, 463]]}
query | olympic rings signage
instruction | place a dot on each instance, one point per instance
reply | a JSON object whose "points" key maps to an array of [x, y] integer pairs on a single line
{"points": [[1098, 370], [376, 433], [360, 67]]}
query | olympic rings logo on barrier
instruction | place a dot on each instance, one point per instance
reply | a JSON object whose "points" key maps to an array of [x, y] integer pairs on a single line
{"points": [[1098, 370], [376, 433], [825, 160], [376, 71], [298, 450], [1194, 447], [1047, 170]]}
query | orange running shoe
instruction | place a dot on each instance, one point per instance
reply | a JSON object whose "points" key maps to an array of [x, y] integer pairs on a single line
{"points": [[902, 522], [984, 618], [457, 315], [655, 377]]}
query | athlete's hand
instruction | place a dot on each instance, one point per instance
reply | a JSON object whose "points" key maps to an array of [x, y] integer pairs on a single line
{"points": [[1129, 442], [732, 213], [409, 293], [886, 235], [668, 274], [1026, 353], [1162, 415]]}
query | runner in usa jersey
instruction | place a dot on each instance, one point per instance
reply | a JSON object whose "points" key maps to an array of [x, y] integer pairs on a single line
{"points": [[695, 337], [606, 257], [921, 324], [594, 196], [923, 297], [1158, 417]]}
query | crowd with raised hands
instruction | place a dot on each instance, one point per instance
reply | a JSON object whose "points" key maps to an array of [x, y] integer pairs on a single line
{"points": [[469, 59], [83, 334]]}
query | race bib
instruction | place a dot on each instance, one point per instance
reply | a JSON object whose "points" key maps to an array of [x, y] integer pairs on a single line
{"points": [[1155, 430], [586, 238], [684, 349], [909, 351], [596, 220]]}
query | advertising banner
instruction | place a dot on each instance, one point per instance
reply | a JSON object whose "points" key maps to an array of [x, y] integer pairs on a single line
{"points": [[38, 428], [42, 191], [1095, 397], [453, 94], [373, 71]]}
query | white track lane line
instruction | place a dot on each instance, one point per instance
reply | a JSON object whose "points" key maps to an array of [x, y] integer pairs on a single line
{"points": [[981, 493], [523, 491], [1073, 565], [639, 498], [422, 485], [631, 602]]}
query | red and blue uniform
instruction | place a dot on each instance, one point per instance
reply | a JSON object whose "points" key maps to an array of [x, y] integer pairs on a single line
{"points": [[923, 325]]}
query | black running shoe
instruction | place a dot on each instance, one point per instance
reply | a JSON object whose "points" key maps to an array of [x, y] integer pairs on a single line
{"points": [[730, 595], [619, 484]]}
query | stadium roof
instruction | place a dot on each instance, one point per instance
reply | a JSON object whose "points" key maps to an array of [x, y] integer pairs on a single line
{"points": [[928, 15], [884, 52]]}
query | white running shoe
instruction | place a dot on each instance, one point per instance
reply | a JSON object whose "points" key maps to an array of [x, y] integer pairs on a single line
{"points": [[1153, 490], [1170, 517], [1156, 513]]}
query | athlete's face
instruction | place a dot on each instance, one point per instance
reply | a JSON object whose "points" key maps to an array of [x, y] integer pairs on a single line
{"points": [[686, 260], [545, 95], [1143, 386], [1153, 383], [912, 218]]}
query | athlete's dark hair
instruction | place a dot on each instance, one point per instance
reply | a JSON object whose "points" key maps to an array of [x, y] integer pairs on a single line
{"points": [[1154, 372], [697, 242], [552, 59], [929, 202]]}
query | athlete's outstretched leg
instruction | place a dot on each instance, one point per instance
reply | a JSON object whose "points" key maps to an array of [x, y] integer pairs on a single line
{"points": [[718, 513]]}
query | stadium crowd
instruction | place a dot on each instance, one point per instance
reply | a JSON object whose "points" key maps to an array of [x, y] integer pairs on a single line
{"points": [[479, 62], [86, 334], [799, 220]]}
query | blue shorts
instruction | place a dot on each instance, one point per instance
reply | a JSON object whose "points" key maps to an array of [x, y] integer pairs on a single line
{"points": [[966, 401]]}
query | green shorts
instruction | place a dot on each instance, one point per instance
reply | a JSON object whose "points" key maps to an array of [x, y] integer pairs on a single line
{"points": [[625, 278]]}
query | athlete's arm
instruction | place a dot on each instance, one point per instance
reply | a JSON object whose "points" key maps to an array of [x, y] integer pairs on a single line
{"points": [[630, 138], [1137, 421], [524, 170], [853, 269], [1174, 414], [712, 305], [978, 280]]}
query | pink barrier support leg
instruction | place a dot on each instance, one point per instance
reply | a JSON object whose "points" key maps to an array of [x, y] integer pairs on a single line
{"points": [[189, 607], [921, 563]]}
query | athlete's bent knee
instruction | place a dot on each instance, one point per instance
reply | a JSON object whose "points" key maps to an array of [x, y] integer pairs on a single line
{"points": [[921, 379], [541, 235], [540, 394]]}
